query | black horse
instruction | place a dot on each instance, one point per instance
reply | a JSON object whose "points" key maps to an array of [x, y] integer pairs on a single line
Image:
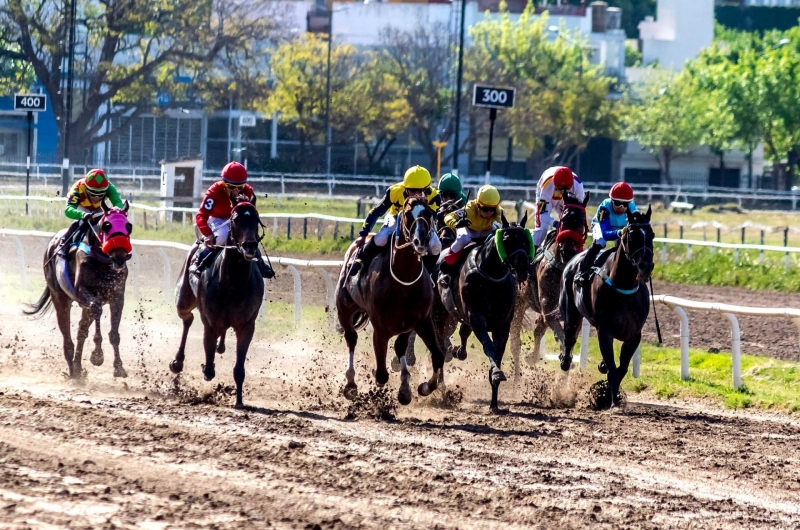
{"points": [[616, 303], [484, 295], [228, 294]]}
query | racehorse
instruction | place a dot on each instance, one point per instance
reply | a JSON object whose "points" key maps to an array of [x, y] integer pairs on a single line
{"points": [[395, 294], [93, 275], [228, 294], [616, 303], [544, 289], [484, 295]]}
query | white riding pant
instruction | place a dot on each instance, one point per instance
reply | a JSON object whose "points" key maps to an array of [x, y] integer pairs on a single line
{"points": [[390, 225], [543, 224], [465, 235], [597, 235], [220, 228]]}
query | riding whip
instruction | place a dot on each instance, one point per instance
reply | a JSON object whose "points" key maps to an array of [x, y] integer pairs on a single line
{"points": [[652, 297]]}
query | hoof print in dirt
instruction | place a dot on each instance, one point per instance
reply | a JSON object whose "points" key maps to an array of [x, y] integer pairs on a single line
{"points": [[377, 404]]}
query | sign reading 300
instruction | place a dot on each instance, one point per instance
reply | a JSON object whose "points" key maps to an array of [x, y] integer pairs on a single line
{"points": [[493, 97]]}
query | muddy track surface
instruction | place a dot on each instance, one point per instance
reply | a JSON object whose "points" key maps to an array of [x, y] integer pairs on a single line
{"points": [[104, 460]]}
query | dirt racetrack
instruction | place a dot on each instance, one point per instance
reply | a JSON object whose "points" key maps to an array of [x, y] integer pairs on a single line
{"points": [[157, 452]]}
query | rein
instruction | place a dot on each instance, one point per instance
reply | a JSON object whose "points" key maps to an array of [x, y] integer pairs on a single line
{"points": [[393, 246]]}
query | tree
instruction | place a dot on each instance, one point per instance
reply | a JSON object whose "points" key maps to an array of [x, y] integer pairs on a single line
{"points": [[562, 99], [664, 119], [136, 48]]}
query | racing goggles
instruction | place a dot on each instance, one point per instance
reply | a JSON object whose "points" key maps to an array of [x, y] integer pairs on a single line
{"points": [[487, 209], [619, 204], [96, 194], [234, 187], [446, 196]]}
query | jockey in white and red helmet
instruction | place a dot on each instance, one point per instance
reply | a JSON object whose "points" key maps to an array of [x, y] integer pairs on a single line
{"points": [[553, 184], [609, 221], [212, 221]]}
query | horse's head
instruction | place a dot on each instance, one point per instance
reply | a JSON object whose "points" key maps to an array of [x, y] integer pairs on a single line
{"points": [[572, 228], [115, 235], [245, 225], [416, 221], [515, 246], [637, 243]]}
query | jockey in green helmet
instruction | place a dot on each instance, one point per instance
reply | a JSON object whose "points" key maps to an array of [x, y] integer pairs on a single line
{"points": [[450, 190], [84, 206]]}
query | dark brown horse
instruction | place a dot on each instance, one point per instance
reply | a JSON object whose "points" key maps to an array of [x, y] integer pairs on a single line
{"points": [[93, 275], [544, 289], [616, 303], [228, 294], [395, 294], [484, 296]]}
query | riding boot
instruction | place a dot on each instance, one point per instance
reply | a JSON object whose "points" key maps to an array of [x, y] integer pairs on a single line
{"points": [[368, 251], [447, 268], [199, 261], [68, 237], [263, 267], [584, 276]]}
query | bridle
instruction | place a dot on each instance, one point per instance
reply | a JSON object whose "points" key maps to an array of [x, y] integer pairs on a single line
{"points": [[563, 233], [625, 244], [232, 233], [407, 232]]}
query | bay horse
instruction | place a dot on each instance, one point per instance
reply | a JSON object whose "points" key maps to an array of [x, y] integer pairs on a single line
{"points": [[395, 294], [228, 294], [484, 296], [544, 289], [93, 275], [617, 301]]}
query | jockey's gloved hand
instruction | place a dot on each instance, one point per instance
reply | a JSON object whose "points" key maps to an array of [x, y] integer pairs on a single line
{"points": [[208, 241], [360, 241], [87, 217], [463, 223]]}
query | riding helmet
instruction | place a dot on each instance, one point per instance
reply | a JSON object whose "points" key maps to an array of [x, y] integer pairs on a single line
{"points": [[621, 191], [488, 196], [234, 173], [417, 178], [96, 181], [563, 178], [450, 183]]}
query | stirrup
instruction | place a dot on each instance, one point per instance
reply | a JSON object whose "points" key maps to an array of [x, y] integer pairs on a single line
{"points": [[355, 268], [444, 280]]}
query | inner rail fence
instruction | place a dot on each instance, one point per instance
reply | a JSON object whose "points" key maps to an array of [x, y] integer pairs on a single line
{"points": [[677, 305], [291, 183]]}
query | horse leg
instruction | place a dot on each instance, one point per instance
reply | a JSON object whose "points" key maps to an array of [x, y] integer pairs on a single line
{"points": [[221, 343], [113, 335], [380, 343], [97, 355], [243, 338], [539, 329], [496, 375], [427, 333], [176, 366], [464, 331], [572, 324], [210, 347], [516, 332], [500, 340], [351, 389], [62, 304], [400, 346], [606, 341], [83, 333], [626, 353]]}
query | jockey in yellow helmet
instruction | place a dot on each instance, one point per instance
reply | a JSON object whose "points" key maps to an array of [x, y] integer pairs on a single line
{"points": [[416, 183], [478, 219]]}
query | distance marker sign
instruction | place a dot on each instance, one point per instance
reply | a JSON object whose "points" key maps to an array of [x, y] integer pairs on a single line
{"points": [[493, 97], [30, 102]]}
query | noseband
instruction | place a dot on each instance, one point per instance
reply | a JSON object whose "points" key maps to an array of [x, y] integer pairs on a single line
{"points": [[625, 244]]}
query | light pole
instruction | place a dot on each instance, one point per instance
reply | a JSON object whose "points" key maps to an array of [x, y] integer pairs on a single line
{"points": [[459, 81], [65, 176], [328, 95]]}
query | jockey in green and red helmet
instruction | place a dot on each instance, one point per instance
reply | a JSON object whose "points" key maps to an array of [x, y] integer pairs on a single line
{"points": [[84, 205]]}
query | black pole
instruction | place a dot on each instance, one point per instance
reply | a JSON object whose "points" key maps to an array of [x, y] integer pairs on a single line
{"points": [[492, 117], [28, 167], [65, 176], [328, 95], [459, 81]]}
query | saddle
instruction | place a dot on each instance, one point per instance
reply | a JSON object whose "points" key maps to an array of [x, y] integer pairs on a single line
{"points": [[597, 269], [542, 250], [62, 264]]}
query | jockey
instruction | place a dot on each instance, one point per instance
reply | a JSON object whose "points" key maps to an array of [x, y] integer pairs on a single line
{"points": [[480, 218], [609, 221], [84, 205], [416, 183], [212, 221], [450, 190], [552, 186]]}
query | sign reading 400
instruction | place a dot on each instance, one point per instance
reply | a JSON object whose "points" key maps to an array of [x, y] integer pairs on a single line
{"points": [[493, 97], [30, 102]]}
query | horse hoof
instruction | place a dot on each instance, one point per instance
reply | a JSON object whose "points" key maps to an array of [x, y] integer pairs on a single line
{"points": [[97, 358], [460, 353], [208, 374], [566, 362], [119, 371], [424, 389], [411, 358], [404, 395], [498, 377], [395, 365], [350, 391], [176, 366], [448, 356], [221, 347], [602, 368], [497, 410]]}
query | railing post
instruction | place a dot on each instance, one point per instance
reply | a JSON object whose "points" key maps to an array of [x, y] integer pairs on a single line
{"points": [[319, 229], [736, 350], [298, 302], [684, 341], [761, 254], [637, 361], [585, 329], [664, 254], [289, 228], [305, 227], [274, 227], [787, 260], [336, 230], [688, 252]]}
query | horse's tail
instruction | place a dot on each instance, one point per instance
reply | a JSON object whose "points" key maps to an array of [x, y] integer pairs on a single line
{"points": [[41, 307]]}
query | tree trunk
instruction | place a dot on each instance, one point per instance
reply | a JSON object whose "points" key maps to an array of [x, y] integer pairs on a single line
{"points": [[667, 155]]}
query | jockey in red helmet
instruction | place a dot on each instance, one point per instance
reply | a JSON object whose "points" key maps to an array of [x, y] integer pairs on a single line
{"points": [[84, 205], [609, 221], [212, 222], [552, 186]]}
